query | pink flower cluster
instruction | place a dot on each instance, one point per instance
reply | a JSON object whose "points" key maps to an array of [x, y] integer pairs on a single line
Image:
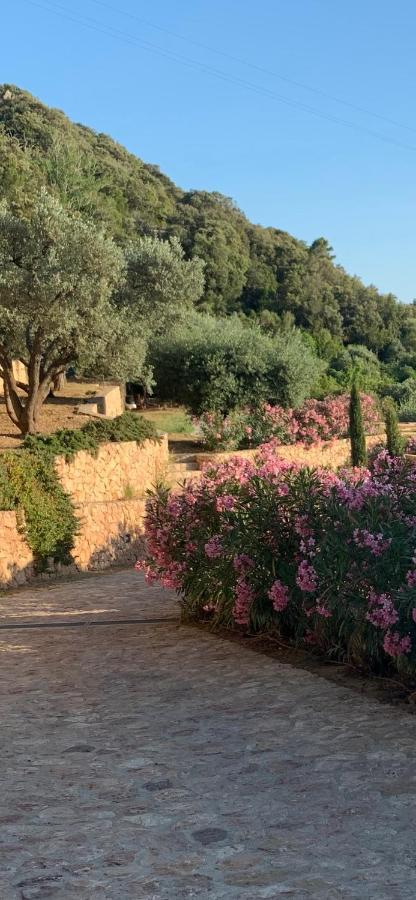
{"points": [[395, 645], [224, 502], [244, 596], [382, 612], [323, 556], [243, 563], [306, 577], [279, 595], [312, 423], [213, 547], [376, 543]]}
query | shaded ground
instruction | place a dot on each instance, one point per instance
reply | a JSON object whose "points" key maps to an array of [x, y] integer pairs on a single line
{"points": [[58, 412], [159, 761]]}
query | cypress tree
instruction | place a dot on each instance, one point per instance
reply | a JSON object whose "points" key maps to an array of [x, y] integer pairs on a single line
{"points": [[395, 443], [357, 434]]}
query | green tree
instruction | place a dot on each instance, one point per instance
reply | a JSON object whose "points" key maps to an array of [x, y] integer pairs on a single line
{"points": [[218, 365], [357, 434], [57, 274], [69, 296], [160, 284], [395, 442], [356, 361], [249, 269]]}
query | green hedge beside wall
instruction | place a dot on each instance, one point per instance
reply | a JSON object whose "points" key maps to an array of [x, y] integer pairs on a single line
{"points": [[29, 483]]}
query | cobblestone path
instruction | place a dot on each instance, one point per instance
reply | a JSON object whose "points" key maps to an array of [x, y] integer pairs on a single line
{"points": [[156, 761]]}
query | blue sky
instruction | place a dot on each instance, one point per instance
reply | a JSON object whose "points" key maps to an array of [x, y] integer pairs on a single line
{"points": [[244, 131]]}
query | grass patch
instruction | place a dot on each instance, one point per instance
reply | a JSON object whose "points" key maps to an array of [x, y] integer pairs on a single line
{"points": [[172, 421]]}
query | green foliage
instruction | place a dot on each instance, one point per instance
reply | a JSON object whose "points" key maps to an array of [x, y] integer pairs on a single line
{"points": [[48, 518], [218, 365], [357, 433], [263, 272], [7, 499], [160, 283], [407, 412], [57, 275], [355, 361], [172, 421], [68, 296], [395, 442], [29, 483], [67, 442]]}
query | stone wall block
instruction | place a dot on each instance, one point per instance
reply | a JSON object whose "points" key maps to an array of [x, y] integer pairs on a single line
{"points": [[110, 524]]}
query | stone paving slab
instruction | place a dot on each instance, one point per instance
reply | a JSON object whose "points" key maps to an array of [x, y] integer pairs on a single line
{"points": [[120, 594], [159, 762]]}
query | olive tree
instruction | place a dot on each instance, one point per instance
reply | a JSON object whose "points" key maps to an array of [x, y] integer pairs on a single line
{"points": [[160, 286], [211, 364], [57, 277], [70, 296]]}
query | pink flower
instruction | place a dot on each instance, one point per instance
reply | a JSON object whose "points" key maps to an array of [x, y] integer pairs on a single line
{"points": [[411, 578], [394, 644], [244, 596], [323, 611], [301, 526], [382, 612], [213, 547], [225, 502], [308, 547], [279, 595], [242, 563], [306, 577], [376, 543]]}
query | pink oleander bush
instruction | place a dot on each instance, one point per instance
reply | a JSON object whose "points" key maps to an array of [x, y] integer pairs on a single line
{"points": [[312, 423], [316, 557]]}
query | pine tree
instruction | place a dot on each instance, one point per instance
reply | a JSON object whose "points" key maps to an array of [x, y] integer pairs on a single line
{"points": [[395, 443], [357, 434]]}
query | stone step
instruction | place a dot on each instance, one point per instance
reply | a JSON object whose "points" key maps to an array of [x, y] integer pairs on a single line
{"points": [[182, 467]]}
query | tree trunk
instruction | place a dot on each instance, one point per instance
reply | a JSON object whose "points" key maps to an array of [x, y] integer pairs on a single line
{"points": [[28, 421], [24, 412], [58, 383]]}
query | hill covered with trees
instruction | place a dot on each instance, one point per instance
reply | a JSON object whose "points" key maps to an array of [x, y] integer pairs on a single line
{"points": [[256, 272]]}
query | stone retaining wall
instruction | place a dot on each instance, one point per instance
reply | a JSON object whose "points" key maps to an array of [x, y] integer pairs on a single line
{"points": [[16, 559], [332, 453], [117, 472], [111, 532], [108, 492]]}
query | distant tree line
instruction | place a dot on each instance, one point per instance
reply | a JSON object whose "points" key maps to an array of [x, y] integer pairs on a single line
{"points": [[160, 252]]}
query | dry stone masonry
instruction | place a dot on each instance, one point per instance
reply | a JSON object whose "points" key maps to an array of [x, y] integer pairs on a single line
{"points": [[108, 491]]}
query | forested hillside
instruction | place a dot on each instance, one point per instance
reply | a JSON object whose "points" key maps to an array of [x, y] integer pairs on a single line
{"points": [[260, 272]]}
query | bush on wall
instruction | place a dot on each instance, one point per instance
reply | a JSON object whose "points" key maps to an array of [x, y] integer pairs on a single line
{"points": [[48, 520], [318, 558], [29, 483]]}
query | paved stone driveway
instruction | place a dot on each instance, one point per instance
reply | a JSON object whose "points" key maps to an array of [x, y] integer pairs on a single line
{"points": [[155, 761]]}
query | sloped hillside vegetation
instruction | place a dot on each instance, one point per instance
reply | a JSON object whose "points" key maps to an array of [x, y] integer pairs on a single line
{"points": [[259, 272]]}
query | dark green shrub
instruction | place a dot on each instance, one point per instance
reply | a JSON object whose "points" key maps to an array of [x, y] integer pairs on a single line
{"points": [[67, 442], [49, 519], [219, 365], [357, 434], [395, 442]]}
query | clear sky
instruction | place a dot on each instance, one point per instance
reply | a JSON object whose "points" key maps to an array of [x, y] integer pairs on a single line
{"points": [[204, 89]]}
